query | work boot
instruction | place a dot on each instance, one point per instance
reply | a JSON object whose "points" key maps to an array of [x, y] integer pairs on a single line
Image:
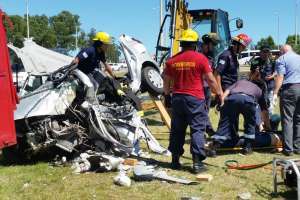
{"points": [[247, 148], [175, 164], [212, 152], [198, 166]]}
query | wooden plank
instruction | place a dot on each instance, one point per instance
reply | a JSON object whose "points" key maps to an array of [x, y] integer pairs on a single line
{"points": [[204, 177], [162, 110]]}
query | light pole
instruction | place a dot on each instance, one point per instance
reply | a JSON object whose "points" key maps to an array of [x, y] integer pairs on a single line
{"points": [[277, 14], [160, 21], [296, 22], [27, 17]]}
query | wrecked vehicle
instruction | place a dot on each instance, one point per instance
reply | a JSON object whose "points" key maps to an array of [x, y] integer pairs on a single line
{"points": [[65, 114], [143, 71]]}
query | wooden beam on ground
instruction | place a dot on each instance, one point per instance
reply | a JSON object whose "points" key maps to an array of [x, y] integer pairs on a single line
{"points": [[162, 110]]}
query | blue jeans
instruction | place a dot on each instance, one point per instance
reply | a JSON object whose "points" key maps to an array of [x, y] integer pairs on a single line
{"points": [[188, 110]]}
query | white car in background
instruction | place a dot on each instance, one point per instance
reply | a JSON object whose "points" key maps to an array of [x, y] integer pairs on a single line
{"points": [[246, 56], [117, 66]]}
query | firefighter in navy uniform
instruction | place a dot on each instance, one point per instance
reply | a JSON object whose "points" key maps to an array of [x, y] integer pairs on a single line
{"points": [[227, 68], [209, 41], [88, 59], [185, 70], [243, 97]]}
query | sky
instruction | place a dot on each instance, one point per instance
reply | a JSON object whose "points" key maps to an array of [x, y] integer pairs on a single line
{"points": [[140, 18]]}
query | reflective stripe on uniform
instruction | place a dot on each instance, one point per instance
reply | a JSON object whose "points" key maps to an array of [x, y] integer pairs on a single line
{"points": [[218, 137], [249, 136]]}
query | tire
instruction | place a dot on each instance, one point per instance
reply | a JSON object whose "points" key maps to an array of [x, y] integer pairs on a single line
{"points": [[152, 81]]}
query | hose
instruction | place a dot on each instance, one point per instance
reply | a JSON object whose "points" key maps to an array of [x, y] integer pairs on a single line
{"points": [[234, 164]]}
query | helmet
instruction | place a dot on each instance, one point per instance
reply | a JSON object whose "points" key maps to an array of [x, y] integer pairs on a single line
{"points": [[103, 37], [243, 39], [211, 37], [189, 35]]}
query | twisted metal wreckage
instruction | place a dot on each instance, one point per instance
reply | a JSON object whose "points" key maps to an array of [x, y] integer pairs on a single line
{"points": [[61, 108]]}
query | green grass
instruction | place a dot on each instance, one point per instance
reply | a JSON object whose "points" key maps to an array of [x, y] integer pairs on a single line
{"points": [[42, 181]]}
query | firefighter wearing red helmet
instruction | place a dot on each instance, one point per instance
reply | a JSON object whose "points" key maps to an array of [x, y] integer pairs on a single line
{"points": [[227, 67]]}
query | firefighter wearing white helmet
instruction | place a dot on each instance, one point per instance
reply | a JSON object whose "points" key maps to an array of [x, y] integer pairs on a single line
{"points": [[89, 59], [185, 70]]}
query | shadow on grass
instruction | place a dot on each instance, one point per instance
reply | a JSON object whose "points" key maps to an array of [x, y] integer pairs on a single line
{"points": [[152, 122], [150, 112], [166, 165], [268, 194], [43, 157]]}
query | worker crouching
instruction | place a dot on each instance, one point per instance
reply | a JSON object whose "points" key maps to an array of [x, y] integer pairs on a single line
{"points": [[243, 97], [186, 70]]}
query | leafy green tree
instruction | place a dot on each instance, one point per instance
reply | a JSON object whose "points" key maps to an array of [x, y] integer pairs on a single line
{"points": [[58, 31], [291, 41], [269, 41], [64, 25], [41, 31], [16, 36]]}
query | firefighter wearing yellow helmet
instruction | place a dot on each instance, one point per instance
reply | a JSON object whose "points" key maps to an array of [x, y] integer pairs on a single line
{"points": [[89, 59], [186, 71]]}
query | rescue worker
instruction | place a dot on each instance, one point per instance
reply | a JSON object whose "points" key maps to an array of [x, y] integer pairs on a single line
{"points": [[288, 79], [227, 68], [185, 70], [89, 60], [241, 98], [209, 41], [267, 70]]}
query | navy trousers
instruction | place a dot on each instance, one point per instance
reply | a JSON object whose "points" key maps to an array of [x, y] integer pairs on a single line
{"points": [[188, 110], [235, 105]]}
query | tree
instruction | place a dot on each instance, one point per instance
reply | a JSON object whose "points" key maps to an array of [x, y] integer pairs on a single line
{"points": [[269, 41], [56, 32], [291, 41], [41, 31], [64, 25], [16, 36], [113, 53]]}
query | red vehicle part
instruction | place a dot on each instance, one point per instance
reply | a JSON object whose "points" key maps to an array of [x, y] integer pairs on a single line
{"points": [[8, 96]]}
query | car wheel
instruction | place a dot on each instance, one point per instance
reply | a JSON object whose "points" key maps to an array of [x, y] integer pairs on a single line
{"points": [[152, 80]]}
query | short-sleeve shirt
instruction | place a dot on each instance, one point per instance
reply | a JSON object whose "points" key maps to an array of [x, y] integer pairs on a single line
{"points": [[186, 69], [228, 67], [266, 68], [288, 65], [259, 93], [89, 59]]}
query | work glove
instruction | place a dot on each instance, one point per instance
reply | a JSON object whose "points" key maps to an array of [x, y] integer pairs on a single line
{"points": [[219, 101], [274, 100], [168, 101], [120, 92]]}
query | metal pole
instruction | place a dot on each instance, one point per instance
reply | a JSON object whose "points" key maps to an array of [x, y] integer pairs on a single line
{"points": [[296, 21], [27, 16], [278, 30], [76, 36], [160, 22]]}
